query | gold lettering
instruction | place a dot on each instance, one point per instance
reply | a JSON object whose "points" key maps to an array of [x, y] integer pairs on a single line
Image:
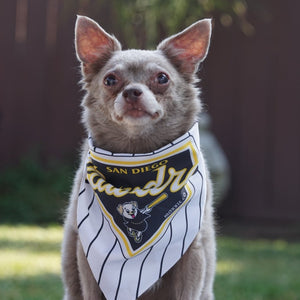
{"points": [[176, 184], [116, 170], [108, 169], [123, 171], [148, 168], [176, 180], [135, 171]]}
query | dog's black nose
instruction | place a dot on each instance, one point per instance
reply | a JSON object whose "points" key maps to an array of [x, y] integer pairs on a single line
{"points": [[132, 94]]}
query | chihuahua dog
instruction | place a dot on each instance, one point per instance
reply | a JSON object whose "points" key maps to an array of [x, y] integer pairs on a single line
{"points": [[138, 101]]}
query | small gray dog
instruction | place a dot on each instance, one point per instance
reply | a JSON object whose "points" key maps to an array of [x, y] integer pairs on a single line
{"points": [[137, 101]]}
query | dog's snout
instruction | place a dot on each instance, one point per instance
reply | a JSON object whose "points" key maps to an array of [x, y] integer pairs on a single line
{"points": [[132, 94]]}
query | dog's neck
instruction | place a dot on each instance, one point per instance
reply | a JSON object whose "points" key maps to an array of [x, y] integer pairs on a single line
{"points": [[118, 140], [125, 144]]}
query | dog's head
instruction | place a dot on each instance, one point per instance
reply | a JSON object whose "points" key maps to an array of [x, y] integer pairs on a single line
{"points": [[128, 210], [139, 100]]}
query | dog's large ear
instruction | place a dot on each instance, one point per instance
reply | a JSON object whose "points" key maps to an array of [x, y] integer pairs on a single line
{"points": [[93, 45], [189, 47]]}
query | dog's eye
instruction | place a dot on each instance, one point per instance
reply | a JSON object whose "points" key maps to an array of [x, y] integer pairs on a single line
{"points": [[162, 78], [110, 80]]}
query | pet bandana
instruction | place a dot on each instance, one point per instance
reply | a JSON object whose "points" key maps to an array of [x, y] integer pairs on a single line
{"points": [[137, 214]]}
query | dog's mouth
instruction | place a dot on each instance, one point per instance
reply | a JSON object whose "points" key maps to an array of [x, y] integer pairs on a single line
{"points": [[137, 113]]}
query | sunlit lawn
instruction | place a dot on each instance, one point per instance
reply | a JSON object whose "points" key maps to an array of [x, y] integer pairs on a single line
{"points": [[30, 263], [247, 270], [258, 270]]}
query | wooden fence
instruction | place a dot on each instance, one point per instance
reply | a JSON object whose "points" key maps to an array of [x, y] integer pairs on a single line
{"points": [[253, 92], [250, 85]]}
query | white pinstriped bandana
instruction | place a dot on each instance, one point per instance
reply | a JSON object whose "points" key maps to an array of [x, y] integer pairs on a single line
{"points": [[138, 214]]}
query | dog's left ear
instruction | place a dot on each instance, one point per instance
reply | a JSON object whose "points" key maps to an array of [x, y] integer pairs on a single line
{"points": [[189, 47]]}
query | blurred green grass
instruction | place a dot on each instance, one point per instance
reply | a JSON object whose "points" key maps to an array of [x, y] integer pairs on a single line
{"points": [[258, 269], [247, 269], [30, 262]]}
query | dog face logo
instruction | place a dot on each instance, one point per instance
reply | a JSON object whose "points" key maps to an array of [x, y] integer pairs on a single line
{"points": [[134, 219], [128, 210]]}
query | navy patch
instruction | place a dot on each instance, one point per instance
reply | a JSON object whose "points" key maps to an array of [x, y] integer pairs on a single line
{"points": [[139, 199]]}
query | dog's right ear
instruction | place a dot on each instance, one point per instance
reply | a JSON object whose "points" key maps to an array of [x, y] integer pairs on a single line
{"points": [[93, 45]]}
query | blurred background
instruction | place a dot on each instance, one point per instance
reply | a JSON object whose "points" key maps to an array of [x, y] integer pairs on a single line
{"points": [[250, 87], [250, 83]]}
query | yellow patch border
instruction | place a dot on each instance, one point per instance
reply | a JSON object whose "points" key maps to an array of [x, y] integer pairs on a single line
{"points": [[189, 145], [136, 161]]}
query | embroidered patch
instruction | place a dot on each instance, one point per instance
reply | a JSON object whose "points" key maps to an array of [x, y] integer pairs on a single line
{"points": [[140, 197]]}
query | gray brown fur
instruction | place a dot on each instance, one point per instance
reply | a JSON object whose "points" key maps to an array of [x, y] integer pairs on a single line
{"points": [[170, 110]]}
